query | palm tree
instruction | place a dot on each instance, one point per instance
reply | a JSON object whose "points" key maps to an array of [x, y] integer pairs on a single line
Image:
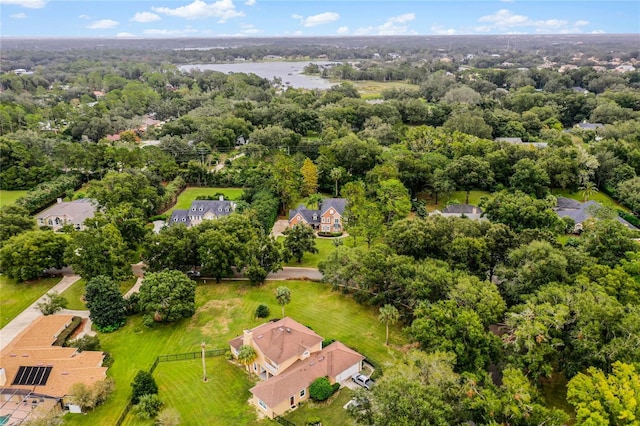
{"points": [[283, 296], [588, 189], [388, 315], [313, 200], [336, 174], [246, 356]]}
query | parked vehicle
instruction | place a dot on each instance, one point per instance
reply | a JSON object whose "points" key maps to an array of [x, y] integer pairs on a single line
{"points": [[362, 380]]}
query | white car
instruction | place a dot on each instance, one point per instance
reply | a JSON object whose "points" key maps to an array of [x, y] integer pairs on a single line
{"points": [[362, 380]]}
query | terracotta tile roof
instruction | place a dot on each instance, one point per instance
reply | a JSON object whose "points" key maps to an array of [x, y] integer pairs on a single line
{"points": [[331, 361], [284, 339], [33, 347]]}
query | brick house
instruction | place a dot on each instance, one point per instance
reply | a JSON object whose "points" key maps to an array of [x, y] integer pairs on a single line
{"points": [[327, 218]]}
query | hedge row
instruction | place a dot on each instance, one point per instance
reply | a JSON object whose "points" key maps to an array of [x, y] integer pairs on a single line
{"points": [[46, 193], [171, 192], [64, 335]]}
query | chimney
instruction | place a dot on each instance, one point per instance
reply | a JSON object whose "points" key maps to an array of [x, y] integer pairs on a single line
{"points": [[247, 337], [3, 377], [59, 200], [221, 198]]}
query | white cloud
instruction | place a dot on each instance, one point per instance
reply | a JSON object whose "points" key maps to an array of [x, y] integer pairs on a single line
{"points": [[250, 2], [145, 17], [18, 16], [505, 20], [31, 4], [441, 30], [393, 26], [598, 32], [83, 16], [221, 9], [103, 24], [342, 30], [319, 19], [126, 35], [170, 33]]}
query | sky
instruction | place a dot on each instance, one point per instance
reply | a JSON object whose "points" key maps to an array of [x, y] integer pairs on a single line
{"points": [[262, 18]]}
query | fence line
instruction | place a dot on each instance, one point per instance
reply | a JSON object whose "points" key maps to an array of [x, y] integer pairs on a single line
{"points": [[283, 421], [177, 357]]}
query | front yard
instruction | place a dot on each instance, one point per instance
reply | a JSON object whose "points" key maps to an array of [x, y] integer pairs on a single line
{"points": [[75, 293], [223, 312], [16, 297]]}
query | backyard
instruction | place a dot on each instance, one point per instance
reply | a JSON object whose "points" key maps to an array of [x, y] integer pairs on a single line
{"points": [[16, 297], [223, 311], [10, 197], [191, 193]]}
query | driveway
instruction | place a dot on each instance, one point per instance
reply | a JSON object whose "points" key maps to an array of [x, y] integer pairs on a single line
{"points": [[278, 227], [26, 317]]}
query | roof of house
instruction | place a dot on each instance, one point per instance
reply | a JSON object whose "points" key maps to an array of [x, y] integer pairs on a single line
{"points": [[330, 361], [579, 212], [462, 209], [200, 208], [282, 340], [589, 126], [77, 211], [338, 204], [509, 140], [32, 347]]}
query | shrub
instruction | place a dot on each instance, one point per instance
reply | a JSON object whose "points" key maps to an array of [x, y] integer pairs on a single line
{"points": [[143, 384], [262, 311], [321, 389], [314, 421], [85, 343], [329, 234], [62, 337], [89, 397], [148, 406], [327, 342], [132, 304], [158, 217], [168, 417], [377, 373], [53, 304], [47, 192]]}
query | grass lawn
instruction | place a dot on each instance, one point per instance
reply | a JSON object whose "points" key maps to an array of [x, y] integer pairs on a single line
{"points": [[222, 400], [373, 89], [600, 197], [10, 197], [16, 297], [330, 411], [309, 260], [223, 312], [75, 293], [191, 193], [456, 197]]}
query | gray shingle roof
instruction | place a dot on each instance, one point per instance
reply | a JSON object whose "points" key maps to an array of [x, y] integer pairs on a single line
{"points": [[462, 209], [339, 204], [580, 212], [200, 208]]}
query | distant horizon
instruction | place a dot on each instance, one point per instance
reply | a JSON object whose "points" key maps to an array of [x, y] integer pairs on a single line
{"points": [[171, 19]]}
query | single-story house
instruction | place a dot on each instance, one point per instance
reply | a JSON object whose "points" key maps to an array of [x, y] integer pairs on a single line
{"points": [[289, 357], [327, 218], [579, 212], [589, 126], [202, 210], [67, 213], [460, 210], [36, 376]]}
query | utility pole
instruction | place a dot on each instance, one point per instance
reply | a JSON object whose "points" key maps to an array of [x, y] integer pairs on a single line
{"points": [[204, 367]]}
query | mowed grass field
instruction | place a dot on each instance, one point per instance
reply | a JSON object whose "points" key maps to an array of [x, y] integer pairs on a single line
{"points": [[457, 197], [600, 197], [10, 197], [191, 193], [16, 297], [223, 312], [75, 293]]}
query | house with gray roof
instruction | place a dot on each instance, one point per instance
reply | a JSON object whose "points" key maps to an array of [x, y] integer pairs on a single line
{"points": [[68, 213], [580, 212], [202, 210], [327, 218], [460, 210]]}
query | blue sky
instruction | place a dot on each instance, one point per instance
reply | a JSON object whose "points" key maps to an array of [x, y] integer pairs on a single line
{"points": [[259, 18]]}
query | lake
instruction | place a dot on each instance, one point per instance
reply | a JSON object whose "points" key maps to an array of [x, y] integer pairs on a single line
{"points": [[289, 72]]}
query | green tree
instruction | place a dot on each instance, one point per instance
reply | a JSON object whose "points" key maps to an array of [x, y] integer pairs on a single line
{"points": [[337, 174], [167, 296], [143, 384], [395, 202], [519, 211], [26, 255], [218, 252], [628, 192], [148, 406], [469, 172], [481, 296], [265, 256], [320, 389], [168, 417], [283, 296], [285, 179], [299, 240], [52, 304], [607, 240], [105, 303], [588, 190], [309, 173], [134, 188], [530, 178], [246, 356], [14, 219], [606, 399], [388, 315], [174, 247], [99, 251]]}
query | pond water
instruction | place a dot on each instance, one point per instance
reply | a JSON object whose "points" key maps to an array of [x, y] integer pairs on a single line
{"points": [[289, 72]]}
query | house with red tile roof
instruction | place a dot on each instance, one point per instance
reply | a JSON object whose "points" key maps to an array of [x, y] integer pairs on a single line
{"points": [[289, 358]]}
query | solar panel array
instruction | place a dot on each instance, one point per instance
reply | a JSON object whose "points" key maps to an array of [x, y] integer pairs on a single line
{"points": [[32, 376]]}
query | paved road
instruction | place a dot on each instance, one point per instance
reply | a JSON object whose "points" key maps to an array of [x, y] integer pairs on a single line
{"points": [[289, 273], [19, 323]]}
